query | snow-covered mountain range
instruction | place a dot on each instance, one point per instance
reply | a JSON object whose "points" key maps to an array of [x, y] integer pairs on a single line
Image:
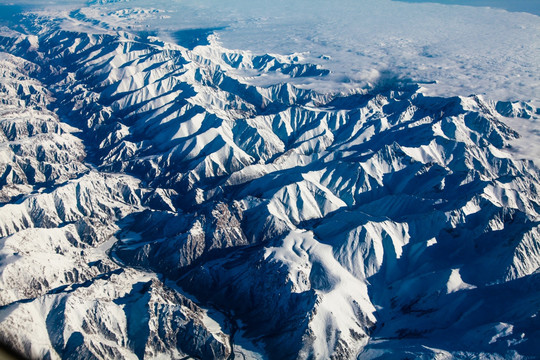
{"points": [[156, 203]]}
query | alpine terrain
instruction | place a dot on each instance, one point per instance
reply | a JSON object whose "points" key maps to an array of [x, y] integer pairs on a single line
{"points": [[156, 203]]}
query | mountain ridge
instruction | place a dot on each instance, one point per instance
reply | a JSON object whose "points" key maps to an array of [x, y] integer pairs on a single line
{"points": [[327, 224]]}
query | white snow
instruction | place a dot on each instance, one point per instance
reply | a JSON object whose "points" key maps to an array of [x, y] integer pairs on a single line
{"points": [[455, 283], [502, 330], [365, 43], [245, 348], [451, 50], [340, 294], [464, 49]]}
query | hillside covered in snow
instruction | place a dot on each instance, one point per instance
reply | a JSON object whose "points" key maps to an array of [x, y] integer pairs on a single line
{"points": [[166, 195]]}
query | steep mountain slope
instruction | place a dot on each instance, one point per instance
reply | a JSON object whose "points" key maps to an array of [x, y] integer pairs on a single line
{"points": [[62, 295], [374, 223]]}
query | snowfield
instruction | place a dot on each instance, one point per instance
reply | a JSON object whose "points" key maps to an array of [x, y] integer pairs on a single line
{"points": [[303, 180]]}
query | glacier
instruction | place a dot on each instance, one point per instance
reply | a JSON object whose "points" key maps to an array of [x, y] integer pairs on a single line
{"points": [[164, 199]]}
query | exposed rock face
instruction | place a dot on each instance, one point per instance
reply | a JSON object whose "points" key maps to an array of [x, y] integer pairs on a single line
{"points": [[365, 224]]}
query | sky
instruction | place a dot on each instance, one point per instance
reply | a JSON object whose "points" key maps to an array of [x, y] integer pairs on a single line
{"points": [[530, 6]]}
